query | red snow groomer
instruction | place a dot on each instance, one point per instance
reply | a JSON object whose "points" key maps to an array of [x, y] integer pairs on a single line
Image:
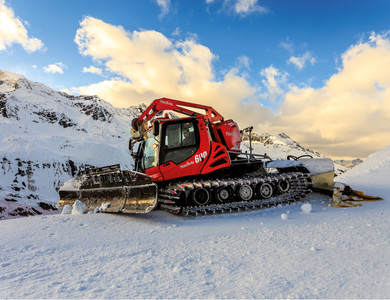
{"points": [[194, 165]]}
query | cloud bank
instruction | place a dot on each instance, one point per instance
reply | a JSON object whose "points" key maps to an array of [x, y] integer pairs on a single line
{"points": [[148, 65], [348, 116], [12, 31]]}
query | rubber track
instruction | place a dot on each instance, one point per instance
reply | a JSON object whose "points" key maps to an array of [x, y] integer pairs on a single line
{"points": [[299, 188]]}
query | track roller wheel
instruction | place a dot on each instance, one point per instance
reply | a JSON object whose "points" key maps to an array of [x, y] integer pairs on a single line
{"points": [[283, 186], [200, 196], [223, 194], [245, 192], [265, 190]]}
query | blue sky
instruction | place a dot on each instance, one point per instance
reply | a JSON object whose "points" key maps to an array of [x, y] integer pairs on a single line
{"points": [[256, 58]]}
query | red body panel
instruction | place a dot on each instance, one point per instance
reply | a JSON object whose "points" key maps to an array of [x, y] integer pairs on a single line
{"points": [[228, 134], [155, 173], [218, 158]]}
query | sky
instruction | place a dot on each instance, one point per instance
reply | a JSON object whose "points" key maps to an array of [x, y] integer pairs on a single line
{"points": [[316, 70]]}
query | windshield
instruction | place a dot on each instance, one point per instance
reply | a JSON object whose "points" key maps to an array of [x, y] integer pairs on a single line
{"points": [[150, 155]]}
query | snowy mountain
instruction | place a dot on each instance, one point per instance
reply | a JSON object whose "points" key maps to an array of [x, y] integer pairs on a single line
{"points": [[349, 163], [280, 145], [47, 136]]}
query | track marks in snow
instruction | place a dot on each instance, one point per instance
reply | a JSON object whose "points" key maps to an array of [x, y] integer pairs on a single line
{"points": [[244, 255]]}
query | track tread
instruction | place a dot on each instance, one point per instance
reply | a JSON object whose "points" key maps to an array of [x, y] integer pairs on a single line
{"points": [[300, 187]]}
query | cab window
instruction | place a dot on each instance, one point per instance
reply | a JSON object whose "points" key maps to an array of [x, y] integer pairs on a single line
{"points": [[179, 142]]}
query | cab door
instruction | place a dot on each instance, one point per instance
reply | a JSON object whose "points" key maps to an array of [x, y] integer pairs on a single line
{"points": [[180, 146]]}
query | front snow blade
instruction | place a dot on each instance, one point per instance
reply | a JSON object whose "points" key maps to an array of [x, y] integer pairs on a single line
{"points": [[111, 190]]}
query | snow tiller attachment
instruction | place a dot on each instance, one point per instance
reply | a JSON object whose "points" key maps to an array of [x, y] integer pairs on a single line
{"points": [[111, 189], [320, 170]]}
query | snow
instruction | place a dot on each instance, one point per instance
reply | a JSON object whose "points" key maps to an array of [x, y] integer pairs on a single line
{"points": [[372, 175], [306, 208], [329, 253], [79, 208], [67, 209]]}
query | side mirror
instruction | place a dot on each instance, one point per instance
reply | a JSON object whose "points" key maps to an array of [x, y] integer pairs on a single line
{"points": [[156, 128]]}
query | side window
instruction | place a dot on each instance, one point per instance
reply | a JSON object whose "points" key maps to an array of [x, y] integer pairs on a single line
{"points": [[173, 136], [187, 134], [179, 142]]}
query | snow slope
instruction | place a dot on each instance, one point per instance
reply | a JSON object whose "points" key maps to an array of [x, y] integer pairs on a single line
{"points": [[281, 252], [373, 175]]}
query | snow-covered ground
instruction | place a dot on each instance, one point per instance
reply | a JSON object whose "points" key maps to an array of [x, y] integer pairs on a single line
{"points": [[281, 252]]}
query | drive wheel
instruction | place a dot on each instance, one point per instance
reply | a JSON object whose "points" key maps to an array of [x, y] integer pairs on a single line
{"points": [[265, 190], [245, 192], [283, 186], [200, 196], [223, 194]]}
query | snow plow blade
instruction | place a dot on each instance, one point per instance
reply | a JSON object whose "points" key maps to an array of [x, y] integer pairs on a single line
{"points": [[321, 171], [110, 189]]}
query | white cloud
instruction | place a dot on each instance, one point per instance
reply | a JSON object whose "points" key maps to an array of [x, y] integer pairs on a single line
{"points": [[244, 61], [93, 70], [164, 5], [55, 68], [246, 7], [301, 61], [176, 32], [12, 31], [288, 46], [243, 8], [274, 78]]}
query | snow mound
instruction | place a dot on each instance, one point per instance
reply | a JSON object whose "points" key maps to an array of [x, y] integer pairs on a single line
{"points": [[79, 208], [67, 210], [375, 162], [306, 208], [371, 176]]}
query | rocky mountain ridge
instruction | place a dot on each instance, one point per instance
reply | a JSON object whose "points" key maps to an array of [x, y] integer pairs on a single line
{"points": [[47, 136], [349, 163]]}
